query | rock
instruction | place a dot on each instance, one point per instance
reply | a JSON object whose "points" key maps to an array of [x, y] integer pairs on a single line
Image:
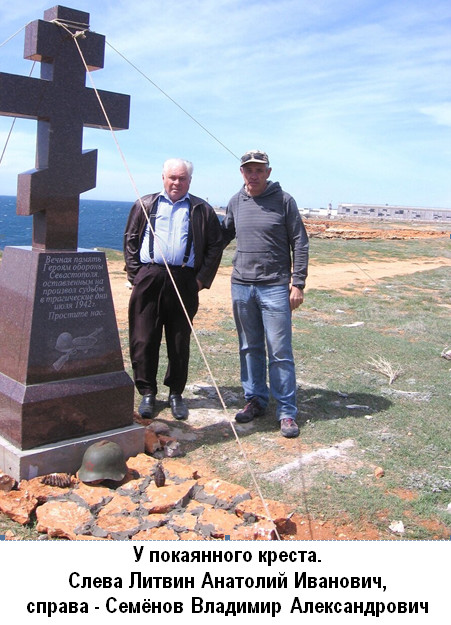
{"points": [[7, 483], [93, 496], [190, 536], [43, 492], [173, 449], [18, 506], [182, 471], [157, 533], [183, 522], [262, 530], [118, 526], [133, 484], [160, 428], [217, 523], [118, 505], [141, 463], [171, 496], [60, 519], [357, 407], [151, 441], [279, 513], [136, 509], [223, 493], [397, 527], [165, 440]]}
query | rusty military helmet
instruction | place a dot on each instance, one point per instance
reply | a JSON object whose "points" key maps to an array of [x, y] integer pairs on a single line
{"points": [[103, 460]]}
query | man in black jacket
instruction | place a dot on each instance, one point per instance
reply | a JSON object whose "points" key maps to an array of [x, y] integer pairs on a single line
{"points": [[172, 250]]}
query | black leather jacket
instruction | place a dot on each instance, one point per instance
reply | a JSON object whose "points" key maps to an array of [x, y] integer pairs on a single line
{"points": [[207, 238]]}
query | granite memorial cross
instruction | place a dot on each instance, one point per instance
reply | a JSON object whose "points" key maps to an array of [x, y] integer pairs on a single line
{"points": [[62, 377], [63, 106]]}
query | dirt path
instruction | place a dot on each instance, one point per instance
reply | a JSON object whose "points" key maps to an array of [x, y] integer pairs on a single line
{"points": [[216, 304], [332, 276]]}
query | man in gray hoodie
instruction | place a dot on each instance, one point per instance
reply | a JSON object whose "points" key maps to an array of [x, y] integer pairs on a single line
{"points": [[268, 278]]}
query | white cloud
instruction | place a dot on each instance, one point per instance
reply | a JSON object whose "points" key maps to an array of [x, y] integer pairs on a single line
{"points": [[440, 113], [341, 93]]}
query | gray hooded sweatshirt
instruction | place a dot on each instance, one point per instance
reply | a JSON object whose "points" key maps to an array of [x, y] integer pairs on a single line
{"points": [[272, 243]]}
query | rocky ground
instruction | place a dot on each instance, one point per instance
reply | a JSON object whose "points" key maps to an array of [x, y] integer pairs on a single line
{"points": [[194, 503]]}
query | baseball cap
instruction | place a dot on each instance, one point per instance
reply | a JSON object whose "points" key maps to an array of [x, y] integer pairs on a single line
{"points": [[255, 156]]}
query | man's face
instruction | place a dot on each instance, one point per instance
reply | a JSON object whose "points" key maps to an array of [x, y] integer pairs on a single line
{"points": [[255, 176], [176, 182]]}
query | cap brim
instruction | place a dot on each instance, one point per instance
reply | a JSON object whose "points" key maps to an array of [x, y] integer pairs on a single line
{"points": [[254, 160]]}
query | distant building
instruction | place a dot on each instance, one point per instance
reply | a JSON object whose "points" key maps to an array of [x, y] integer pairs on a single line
{"points": [[384, 211], [323, 213]]}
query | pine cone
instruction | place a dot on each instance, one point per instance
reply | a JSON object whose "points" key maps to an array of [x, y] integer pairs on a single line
{"points": [[62, 480]]}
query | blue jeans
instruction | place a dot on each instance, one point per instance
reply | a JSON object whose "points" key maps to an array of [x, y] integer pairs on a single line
{"points": [[263, 320]]}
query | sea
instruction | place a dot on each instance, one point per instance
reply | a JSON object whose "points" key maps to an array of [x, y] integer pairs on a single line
{"points": [[101, 224]]}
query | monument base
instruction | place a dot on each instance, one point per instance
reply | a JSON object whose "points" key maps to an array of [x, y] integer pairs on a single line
{"points": [[61, 366], [64, 456]]}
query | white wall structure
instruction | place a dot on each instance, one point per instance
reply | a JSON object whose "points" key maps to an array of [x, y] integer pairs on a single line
{"points": [[384, 211]]}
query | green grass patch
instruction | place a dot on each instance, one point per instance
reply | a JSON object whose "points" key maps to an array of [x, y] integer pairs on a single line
{"points": [[347, 403], [323, 251], [401, 426]]}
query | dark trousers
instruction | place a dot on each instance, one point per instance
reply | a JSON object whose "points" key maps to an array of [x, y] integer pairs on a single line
{"points": [[154, 305]]}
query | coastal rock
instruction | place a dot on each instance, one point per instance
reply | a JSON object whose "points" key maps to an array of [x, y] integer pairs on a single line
{"points": [[137, 509], [60, 519], [18, 506]]}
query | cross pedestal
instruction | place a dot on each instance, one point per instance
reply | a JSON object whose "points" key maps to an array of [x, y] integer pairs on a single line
{"points": [[62, 378]]}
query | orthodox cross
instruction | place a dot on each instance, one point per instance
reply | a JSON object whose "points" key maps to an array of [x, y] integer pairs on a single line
{"points": [[62, 106]]}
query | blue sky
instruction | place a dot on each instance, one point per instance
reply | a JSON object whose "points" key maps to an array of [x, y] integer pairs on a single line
{"points": [[350, 98]]}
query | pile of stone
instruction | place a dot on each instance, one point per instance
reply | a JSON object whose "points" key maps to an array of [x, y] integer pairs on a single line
{"points": [[188, 507]]}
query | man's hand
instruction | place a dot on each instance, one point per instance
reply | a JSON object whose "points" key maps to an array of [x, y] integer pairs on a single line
{"points": [[296, 297]]}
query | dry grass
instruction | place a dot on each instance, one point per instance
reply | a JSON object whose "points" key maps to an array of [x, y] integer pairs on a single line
{"points": [[386, 368]]}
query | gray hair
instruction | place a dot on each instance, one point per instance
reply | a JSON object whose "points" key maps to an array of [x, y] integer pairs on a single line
{"points": [[170, 162]]}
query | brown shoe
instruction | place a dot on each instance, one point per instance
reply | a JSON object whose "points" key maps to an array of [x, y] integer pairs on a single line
{"points": [[289, 428], [251, 410]]}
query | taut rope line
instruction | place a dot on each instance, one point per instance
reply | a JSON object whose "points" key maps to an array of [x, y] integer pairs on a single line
{"points": [[14, 119], [12, 36], [173, 101], [251, 472]]}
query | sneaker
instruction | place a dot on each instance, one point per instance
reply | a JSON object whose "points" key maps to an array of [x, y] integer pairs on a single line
{"points": [[289, 428], [251, 410]]}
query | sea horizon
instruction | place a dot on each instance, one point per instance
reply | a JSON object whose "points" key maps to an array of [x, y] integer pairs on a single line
{"points": [[101, 223]]}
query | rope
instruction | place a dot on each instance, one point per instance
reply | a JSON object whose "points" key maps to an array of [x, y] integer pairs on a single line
{"points": [[12, 36], [14, 119], [173, 101], [13, 123], [251, 472]]}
